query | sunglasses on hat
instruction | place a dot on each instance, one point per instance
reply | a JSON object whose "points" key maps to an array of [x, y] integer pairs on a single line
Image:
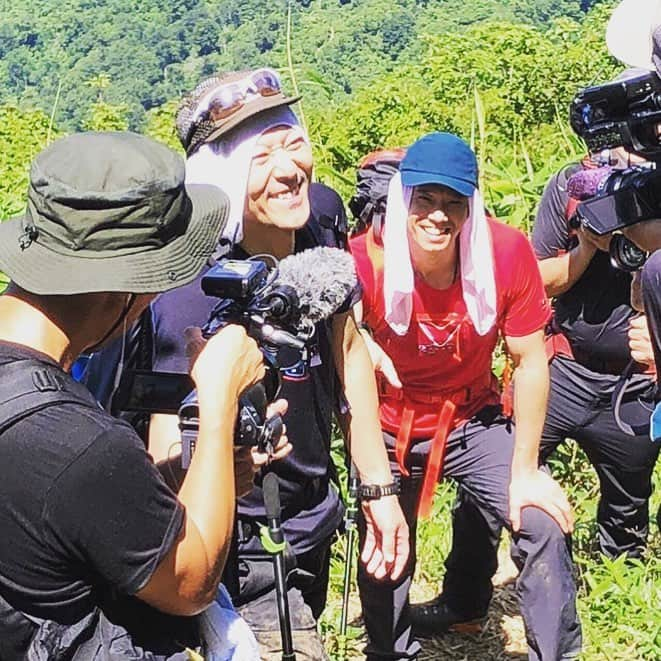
{"points": [[226, 99]]}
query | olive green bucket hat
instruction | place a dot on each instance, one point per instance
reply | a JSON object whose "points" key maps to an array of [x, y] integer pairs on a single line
{"points": [[109, 211]]}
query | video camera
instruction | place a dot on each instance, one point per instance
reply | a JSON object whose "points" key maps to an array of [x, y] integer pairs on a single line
{"points": [[272, 315], [624, 113], [279, 307]]}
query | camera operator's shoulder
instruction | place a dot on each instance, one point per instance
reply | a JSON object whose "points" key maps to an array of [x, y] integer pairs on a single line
{"points": [[565, 172], [83, 442], [95, 424], [555, 197], [100, 444]]}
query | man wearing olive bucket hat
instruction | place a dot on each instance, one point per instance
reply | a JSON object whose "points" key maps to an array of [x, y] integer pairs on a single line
{"points": [[98, 558]]}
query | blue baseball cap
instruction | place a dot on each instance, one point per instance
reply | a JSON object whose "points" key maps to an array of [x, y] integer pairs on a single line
{"points": [[440, 158]]}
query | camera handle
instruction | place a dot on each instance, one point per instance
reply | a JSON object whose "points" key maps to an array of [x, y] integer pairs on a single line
{"points": [[273, 541]]}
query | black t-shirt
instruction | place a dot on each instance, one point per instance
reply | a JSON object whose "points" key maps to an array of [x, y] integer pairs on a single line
{"points": [[594, 314], [311, 507], [85, 517]]}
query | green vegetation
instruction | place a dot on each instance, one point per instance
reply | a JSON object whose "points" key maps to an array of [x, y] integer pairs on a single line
{"points": [[153, 50], [373, 73]]}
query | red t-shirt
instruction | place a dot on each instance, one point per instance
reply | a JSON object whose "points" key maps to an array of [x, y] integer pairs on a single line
{"points": [[441, 352]]}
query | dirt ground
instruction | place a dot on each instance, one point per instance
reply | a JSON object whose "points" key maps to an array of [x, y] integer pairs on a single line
{"points": [[502, 639]]}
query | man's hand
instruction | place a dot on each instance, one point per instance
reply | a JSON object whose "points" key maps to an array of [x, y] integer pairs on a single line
{"points": [[386, 547], [381, 360], [594, 241], [640, 343], [230, 359], [538, 489], [248, 461]]}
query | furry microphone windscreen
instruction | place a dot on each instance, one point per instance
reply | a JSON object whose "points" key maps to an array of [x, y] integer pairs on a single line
{"points": [[323, 278]]}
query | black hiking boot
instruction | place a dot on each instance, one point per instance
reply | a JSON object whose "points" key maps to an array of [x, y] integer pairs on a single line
{"points": [[436, 617]]}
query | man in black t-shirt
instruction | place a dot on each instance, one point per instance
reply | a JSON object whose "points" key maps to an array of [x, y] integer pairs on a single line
{"points": [[99, 559], [590, 350], [240, 134]]}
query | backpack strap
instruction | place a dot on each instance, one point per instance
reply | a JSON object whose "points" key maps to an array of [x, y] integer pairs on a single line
{"points": [[374, 250], [570, 209], [28, 386], [328, 221]]}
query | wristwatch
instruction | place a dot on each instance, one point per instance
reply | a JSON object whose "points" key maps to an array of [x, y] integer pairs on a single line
{"points": [[376, 491]]}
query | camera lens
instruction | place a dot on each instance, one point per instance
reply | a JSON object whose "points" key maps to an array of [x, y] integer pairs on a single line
{"points": [[625, 255]]}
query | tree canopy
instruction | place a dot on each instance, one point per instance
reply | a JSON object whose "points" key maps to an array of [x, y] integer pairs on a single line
{"points": [[53, 55]]}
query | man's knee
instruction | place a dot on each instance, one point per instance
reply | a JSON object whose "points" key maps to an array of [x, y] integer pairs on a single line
{"points": [[540, 527]]}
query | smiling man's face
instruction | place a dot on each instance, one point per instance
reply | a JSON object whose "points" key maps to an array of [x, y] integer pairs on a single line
{"points": [[279, 180], [436, 215]]}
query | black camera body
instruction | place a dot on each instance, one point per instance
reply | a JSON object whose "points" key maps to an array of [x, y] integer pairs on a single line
{"points": [[272, 316], [625, 113], [621, 113]]}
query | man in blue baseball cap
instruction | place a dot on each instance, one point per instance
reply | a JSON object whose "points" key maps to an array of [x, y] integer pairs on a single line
{"points": [[447, 283]]}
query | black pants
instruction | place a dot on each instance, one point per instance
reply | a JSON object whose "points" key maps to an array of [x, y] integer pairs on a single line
{"points": [[580, 408], [651, 286], [479, 457]]}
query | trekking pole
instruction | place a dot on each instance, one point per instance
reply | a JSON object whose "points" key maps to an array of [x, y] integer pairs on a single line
{"points": [[273, 541], [349, 527]]}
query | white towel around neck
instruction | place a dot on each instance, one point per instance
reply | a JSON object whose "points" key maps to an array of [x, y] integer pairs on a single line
{"points": [[476, 259]]}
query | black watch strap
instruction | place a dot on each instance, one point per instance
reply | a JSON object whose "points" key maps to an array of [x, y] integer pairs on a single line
{"points": [[376, 491]]}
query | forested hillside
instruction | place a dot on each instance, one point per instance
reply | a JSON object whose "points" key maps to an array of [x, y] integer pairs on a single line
{"points": [[140, 53], [372, 73]]}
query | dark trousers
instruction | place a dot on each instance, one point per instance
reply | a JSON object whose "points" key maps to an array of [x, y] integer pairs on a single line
{"points": [[478, 457], [307, 583], [580, 408]]}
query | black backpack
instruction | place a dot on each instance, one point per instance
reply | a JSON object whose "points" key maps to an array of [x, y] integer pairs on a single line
{"points": [[368, 205]]}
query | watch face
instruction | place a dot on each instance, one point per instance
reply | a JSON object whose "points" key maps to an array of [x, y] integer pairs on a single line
{"points": [[367, 491]]}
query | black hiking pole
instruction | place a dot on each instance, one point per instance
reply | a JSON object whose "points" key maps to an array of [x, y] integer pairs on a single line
{"points": [[350, 529], [273, 540]]}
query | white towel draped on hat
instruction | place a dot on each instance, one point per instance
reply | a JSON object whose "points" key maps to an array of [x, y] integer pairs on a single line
{"points": [[226, 163], [476, 260]]}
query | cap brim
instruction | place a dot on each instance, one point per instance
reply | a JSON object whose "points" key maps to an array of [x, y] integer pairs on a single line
{"points": [[41, 270], [417, 178], [629, 32], [250, 109]]}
